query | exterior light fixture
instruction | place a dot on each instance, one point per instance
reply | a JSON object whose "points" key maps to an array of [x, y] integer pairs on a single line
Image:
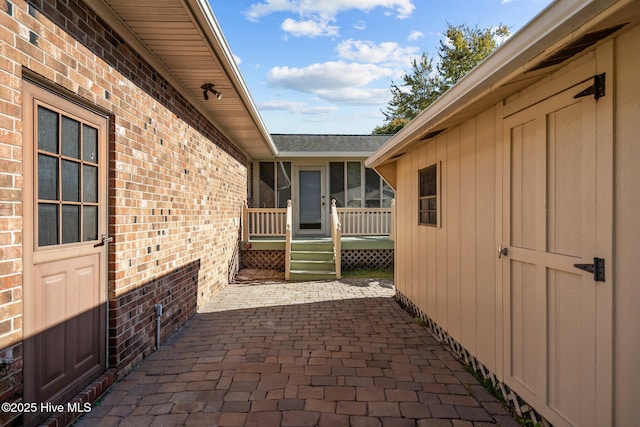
{"points": [[208, 87]]}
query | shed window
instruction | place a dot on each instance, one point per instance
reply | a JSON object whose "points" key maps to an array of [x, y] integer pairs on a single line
{"points": [[428, 203]]}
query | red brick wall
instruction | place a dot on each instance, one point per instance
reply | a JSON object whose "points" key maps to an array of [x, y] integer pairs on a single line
{"points": [[176, 184]]}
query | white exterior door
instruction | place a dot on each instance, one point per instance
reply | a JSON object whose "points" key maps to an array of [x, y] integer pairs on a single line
{"points": [[310, 201], [65, 289], [551, 306]]}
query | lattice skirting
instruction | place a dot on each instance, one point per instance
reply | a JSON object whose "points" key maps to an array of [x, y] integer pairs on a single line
{"points": [[369, 259], [519, 406], [262, 259]]}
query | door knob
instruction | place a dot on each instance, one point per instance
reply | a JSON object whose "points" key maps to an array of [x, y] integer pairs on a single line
{"points": [[502, 251], [103, 240]]}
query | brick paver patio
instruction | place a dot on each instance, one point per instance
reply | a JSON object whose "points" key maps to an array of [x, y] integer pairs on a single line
{"points": [[340, 353]]}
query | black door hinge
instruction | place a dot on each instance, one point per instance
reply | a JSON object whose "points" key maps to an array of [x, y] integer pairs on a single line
{"points": [[597, 268], [597, 89]]}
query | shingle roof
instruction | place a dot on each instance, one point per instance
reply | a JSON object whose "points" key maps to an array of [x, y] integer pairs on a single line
{"points": [[301, 143]]}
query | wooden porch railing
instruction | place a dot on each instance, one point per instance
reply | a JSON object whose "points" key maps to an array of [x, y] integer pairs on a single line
{"points": [[367, 221], [263, 222], [336, 237], [354, 221], [287, 238]]}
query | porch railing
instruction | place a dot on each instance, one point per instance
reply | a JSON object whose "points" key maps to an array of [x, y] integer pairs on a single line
{"points": [[269, 222], [367, 221], [263, 222], [336, 237]]}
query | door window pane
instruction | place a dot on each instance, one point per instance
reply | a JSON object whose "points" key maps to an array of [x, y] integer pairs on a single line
{"points": [[90, 227], [70, 138], [70, 223], [47, 224], [67, 179], [89, 144], [336, 182], [47, 177], [70, 181], [90, 184], [47, 130]]}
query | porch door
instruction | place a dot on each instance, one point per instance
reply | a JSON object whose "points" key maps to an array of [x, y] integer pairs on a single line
{"points": [[552, 196], [311, 201], [65, 287]]}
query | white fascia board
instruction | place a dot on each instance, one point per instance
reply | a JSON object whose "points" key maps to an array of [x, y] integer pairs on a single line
{"points": [[520, 52]]}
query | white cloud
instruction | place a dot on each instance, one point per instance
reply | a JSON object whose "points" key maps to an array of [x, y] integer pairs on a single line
{"points": [[356, 96], [309, 28], [296, 107], [327, 76], [315, 111], [415, 35], [327, 8], [280, 105], [360, 25], [384, 53], [336, 82], [315, 16], [237, 59]]}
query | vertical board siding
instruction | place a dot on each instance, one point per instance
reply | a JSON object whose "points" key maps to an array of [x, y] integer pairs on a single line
{"points": [[442, 290], [432, 254], [485, 232], [626, 230], [467, 241], [449, 271], [422, 235], [451, 220]]}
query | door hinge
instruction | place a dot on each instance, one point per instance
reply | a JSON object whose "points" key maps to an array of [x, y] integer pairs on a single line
{"points": [[597, 89], [597, 268]]}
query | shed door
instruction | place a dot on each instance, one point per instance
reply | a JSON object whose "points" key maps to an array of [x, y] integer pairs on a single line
{"points": [[551, 223], [65, 259]]}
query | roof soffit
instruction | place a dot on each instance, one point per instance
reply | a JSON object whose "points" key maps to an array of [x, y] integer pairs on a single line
{"points": [[182, 40]]}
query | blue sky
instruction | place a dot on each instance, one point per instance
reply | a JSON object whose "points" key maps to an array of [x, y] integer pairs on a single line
{"points": [[325, 66]]}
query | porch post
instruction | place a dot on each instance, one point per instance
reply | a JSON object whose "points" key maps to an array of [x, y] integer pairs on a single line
{"points": [[245, 222], [287, 250]]}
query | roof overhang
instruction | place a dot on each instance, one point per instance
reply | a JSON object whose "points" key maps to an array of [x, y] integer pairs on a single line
{"points": [[183, 42], [511, 68]]}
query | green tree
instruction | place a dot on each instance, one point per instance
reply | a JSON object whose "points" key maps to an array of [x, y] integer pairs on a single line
{"points": [[464, 47]]}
